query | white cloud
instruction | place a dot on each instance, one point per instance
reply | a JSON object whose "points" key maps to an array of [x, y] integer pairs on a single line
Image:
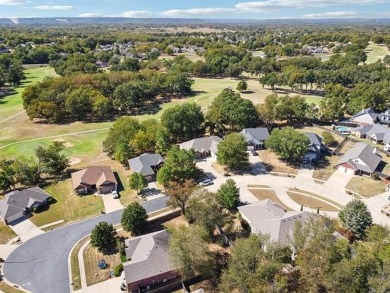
{"points": [[90, 14], [137, 14], [196, 11], [274, 5], [53, 7], [332, 14], [11, 2]]}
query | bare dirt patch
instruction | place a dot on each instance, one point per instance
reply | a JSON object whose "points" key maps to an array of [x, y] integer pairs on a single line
{"points": [[74, 161]]}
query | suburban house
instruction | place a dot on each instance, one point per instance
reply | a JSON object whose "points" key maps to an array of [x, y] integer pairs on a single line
{"points": [[360, 159], [361, 131], [148, 261], [315, 147], [365, 117], [203, 146], [98, 179], [255, 137], [378, 134], [268, 217], [147, 165], [18, 205]]}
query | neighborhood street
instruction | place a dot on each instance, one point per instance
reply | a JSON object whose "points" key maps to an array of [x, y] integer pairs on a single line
{"points": [[40, 265]]}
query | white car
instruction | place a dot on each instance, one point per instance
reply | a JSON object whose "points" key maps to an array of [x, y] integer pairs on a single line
{"points": [[115, 194]]}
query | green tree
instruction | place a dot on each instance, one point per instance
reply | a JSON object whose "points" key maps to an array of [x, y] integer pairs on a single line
{"points": [[356, 217], [267, 110], [162, 142], [179, 194], [228, 195], [134, 218], [183, 122], [179, 165], [329, 139], [232, 151], [242, 86], [288, 143], [26, 171], [203, 209], [103, 237], [189, 251], [137, 182], [122, 153], [51, 160]]}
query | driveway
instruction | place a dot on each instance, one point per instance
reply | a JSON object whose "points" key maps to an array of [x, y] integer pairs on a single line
{"points": [[305, 173], [40, 265], [151, 192], [26, 230], [338, 180], [111, 204]]}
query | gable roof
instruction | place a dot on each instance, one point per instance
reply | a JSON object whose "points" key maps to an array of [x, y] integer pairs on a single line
{"points": [[95, 175], [315, 142], [202, 144], [267, 217], [365, 153], [148, 256], [17, 201], [255, 135], [367, 111], [363, 129], [144, 163]]}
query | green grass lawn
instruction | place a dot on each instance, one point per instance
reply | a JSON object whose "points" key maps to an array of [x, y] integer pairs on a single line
{"points": [[375, 52], [68, 206], [12, 104], [6, 233]]}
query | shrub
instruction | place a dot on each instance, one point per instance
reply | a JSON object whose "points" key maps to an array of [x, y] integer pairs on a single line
{"points": [[118, 270]]}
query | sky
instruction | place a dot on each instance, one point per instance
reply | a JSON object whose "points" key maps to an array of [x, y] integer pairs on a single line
{"points": [[210, 9]]}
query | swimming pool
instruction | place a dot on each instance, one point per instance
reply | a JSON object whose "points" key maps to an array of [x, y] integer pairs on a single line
{"points": [[343, 129]]}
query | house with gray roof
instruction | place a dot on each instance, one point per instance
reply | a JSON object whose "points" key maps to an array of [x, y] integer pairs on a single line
{"points": [[360, 159], [147, 165], [365, 117], [203, 146], [18, 205], [377, 133], [148, 262], [361, 130], [315, 147], [255, 137], [268, 217]]}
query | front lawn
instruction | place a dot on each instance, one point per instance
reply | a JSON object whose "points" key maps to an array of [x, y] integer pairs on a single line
{"points": [[6, 233], [67, 206], [366, 186], [275, 164], [325, 167]]}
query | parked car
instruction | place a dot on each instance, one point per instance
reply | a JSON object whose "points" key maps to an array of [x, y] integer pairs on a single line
{"points": [[115, 194], [206, 182], [387, 147]]}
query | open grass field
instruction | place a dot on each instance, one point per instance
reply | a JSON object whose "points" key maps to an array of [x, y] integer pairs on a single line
{"points": [[91, 258], [191, 56], [311, 202], [262, 194], [366, 186], [68, 206], [11, 104], [375, 52], [6, 233]]}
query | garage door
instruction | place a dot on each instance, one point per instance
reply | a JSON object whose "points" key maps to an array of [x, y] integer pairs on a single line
{"points": [[106, 189], [350, 171], [342, 169]]}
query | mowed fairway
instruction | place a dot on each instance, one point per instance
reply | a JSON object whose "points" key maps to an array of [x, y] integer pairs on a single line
{"points": [[12, 104], [375, 52]]}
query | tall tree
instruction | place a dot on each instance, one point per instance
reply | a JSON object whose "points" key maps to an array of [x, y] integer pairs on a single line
{"points": [[137, 182], [179, 165], [232, 151], [183, 122], [179, 194], [134, 218], [51, 160], [356, 217], [103, 237], [288, 143], [267, 110], [228, 195]]}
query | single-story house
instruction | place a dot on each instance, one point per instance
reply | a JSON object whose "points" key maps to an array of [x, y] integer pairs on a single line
{"points": [[361, 131], [377, 133], [147, 165], [99, 179], [255, 137], [18, 205], [360, 159], [365, 117], [268, 217], [315, 144], [148, 261], [203, 146]]}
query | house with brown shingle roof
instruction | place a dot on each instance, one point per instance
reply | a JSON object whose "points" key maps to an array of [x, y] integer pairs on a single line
{"points": [[98, 179]]}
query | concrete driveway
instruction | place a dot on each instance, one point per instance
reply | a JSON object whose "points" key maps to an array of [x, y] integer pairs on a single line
{"points": [[111, 204], [338, 180], [26, 230], [151, 192]]}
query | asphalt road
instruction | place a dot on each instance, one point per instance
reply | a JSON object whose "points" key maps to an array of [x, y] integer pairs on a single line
{"points": [[40, 265]]}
